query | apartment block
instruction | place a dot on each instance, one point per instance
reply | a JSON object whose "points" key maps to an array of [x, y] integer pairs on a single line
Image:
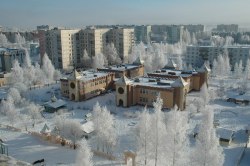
{"points": [[8, 55], [167, 33], [86, 84], [93, 40], [136, 69], [65, 47], [194, 28], [142, 34], [123, 39], [144, 91], [227, 28], [197, 55], [61, 47]]}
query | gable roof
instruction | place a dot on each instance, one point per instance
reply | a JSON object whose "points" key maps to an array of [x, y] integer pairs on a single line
{"points": [[74, 75], [45, 129], [123, 80], [180, 82]]}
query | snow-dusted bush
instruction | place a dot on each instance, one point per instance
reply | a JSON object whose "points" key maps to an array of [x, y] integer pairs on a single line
{"points": [[84, 154]]}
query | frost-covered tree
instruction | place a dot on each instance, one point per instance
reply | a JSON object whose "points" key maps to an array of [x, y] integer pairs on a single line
{"points": [[207, 150], [247, 69], [48, 69], [33, 111], [204, 94], [176, 138], [7, 105], [144, 138], [99, 61], [84, 155], [86, 60], [104, 127], [16, 73], [15, 95], [159, 131], [238, 70], [112, 55], [3, 40], [70, 129]]}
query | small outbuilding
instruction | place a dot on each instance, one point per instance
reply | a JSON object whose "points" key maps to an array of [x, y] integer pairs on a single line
{"points": [[225, 136], [54, 104], [88, 129]]}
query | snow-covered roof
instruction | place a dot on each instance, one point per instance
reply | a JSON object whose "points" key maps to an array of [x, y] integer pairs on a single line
{"points": [[45, 129], [86, 75], [55, 104], [122, 67], [173, 72], [180, 82], [152, 82], [123, 80], [224, 133], [88, 127]]}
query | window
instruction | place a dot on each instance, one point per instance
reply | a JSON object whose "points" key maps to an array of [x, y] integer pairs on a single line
{"points": [[72, 85], [120, 90]]}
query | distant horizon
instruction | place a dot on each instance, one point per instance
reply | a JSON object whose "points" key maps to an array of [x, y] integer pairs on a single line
{"points": [[27, 14]]}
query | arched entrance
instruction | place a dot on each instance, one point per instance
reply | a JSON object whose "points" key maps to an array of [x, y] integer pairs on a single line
{"points": [[73, 97], [120, 102]]}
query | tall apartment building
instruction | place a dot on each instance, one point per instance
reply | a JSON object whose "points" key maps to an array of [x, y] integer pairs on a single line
{"points": [[62, 47], [194, 28], [196, 55], [227, 28], [142, 33], [123, 39], [65, 47], [8, 55], [93, 40], [167, 33]]}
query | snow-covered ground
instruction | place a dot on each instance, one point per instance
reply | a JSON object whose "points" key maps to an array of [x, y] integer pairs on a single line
{"points": [[229, 115]]}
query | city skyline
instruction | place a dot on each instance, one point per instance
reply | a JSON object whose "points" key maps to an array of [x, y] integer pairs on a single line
{"points": [[77, 13]]}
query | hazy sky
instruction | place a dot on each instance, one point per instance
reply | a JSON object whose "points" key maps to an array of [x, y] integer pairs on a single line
{"points": [[78, 13]]}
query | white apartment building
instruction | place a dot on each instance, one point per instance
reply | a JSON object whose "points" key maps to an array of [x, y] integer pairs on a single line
{"points": [[123, 39], [65, 47], [196, 55], [61, 47], [92, 40]]}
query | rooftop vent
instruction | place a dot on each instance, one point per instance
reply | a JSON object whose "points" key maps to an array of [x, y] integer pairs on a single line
{"points": [[151, 80], [137, 80], [95, 75], [162, 83]]}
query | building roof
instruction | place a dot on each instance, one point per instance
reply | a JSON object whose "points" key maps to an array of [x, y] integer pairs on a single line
{"points": [[45, 129], [152, 82], [224, 133], [85, 75], [55, 104], [173, 72], [88, 127], [121, 67], [123, 80], [180, 82]]}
